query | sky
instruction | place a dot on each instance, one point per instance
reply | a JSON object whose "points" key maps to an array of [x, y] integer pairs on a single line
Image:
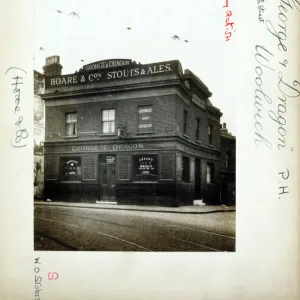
{"points": [[101, 33]]}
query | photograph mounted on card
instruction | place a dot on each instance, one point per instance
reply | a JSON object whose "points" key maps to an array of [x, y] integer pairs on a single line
{"points": [[133, 151]]}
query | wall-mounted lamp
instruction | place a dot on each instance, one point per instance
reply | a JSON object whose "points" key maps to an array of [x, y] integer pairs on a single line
{"points": [[121, 131]]}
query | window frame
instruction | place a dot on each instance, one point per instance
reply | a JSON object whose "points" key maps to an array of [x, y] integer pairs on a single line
{"points": [[211, 166], [228, 159], [108, 121], [62, 163], [150, 129], [144, 178], [198, 126], [210, 134], [70, 123], [185, 118]]}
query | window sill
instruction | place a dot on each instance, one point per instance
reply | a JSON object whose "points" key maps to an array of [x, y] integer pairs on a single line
{"points": [[144, 182], [107, 134], [211, 146], [186, 136], [198, 142], [90, 133], [148, 132], [70, 181], [70, 137]]}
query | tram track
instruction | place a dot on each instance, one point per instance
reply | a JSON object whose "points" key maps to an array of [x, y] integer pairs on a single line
{"points": [[143, 248], [158, 223], [123, 240], [55, 240], [161, 235], [96, 231]]}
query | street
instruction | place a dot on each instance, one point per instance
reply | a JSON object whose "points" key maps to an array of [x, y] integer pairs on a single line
{"points": [[89, 229]]}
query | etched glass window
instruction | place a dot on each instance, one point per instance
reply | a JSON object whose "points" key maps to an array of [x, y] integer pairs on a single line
{"points": [[70, 168], [145, 167]]}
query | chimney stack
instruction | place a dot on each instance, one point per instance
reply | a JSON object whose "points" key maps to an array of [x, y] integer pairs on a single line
{"points": [[53, 66], [224, 130]]}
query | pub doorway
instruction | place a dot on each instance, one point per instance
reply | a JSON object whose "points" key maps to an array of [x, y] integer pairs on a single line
{"points": [[107, 178]]}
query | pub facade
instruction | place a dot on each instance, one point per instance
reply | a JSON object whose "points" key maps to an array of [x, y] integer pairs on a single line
{"points": [[130, 133]]}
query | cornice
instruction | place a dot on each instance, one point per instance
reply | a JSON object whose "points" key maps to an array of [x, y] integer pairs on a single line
{"points": [[110, 89]]}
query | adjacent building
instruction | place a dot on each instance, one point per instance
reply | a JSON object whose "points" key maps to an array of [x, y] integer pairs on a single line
{"points": [[39, 135], [228, 167], [131, 133]]}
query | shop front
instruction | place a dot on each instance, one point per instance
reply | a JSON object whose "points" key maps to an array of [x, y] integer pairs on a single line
{"points": [[133, 173], [142, 173]]}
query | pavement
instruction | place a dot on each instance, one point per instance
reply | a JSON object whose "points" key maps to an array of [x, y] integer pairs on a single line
{"points": [[196, 209]]}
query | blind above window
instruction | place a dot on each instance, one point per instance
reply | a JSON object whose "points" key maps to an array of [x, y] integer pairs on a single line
{"points": [[71, 117]]}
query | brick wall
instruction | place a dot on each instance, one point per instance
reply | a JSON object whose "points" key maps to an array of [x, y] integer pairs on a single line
{"points": [[193, 113], [89, 116], [75, 192], [228, 144], [163, 194]]}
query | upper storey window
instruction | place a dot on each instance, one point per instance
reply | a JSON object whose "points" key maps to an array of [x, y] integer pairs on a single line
{"points": [[198, 129], [71, 124], [185, 118], [210, 134], [108, 121], [145, 118]]}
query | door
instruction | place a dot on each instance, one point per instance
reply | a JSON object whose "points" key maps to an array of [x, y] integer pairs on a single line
{"points": [[108, 182], [197, 178]]}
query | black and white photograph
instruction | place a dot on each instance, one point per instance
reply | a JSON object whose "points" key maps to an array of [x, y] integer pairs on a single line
{"points": [[135, 146], [150, 149]]}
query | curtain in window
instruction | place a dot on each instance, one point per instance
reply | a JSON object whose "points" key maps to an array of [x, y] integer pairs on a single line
{"points": [[71, 124], [108, 121]]}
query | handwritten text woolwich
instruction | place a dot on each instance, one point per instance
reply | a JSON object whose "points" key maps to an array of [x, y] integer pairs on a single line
{"points": [[273, 61]]}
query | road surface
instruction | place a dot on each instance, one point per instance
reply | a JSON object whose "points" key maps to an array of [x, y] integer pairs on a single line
{"points": [[89, 229]]}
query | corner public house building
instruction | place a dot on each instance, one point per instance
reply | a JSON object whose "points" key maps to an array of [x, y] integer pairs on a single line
{"points": [[131, 133]]}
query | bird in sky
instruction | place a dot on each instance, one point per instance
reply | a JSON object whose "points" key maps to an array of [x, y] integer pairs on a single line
{"points": [[74, 14], [82, 60], [59, 11], [41, 49], [128, 28], [176, 37]]}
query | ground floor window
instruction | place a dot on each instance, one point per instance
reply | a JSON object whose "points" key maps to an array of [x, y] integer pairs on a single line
{"points": [[145, 167], [210, 173], [185, 169], [70, 168]]}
